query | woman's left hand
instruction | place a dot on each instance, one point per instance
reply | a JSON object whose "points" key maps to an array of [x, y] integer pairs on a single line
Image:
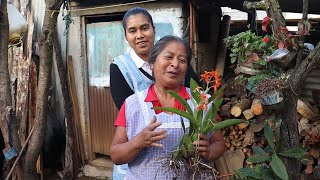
{"points": [[202, 146]]}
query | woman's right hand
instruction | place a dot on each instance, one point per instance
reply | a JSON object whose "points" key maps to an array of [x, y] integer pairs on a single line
{"points": [[148, 137]]}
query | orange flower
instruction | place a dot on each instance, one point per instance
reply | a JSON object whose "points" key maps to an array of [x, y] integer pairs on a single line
{"points": [[216, 85], [203, 97], [202, 106], [206, 76]]}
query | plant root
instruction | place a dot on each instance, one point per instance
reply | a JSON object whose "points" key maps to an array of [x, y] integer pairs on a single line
{"points": [[195, 167]]}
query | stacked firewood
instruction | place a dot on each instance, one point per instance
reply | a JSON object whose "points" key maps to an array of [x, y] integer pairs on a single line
{"points": [[239, 103], [309, 131]]}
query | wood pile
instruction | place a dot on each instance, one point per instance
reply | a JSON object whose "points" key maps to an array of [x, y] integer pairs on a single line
{"points": [[309, 130], [239, 103]]}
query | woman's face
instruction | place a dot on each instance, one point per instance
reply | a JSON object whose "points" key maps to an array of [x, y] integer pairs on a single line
{"points": [[170, 66], [140, 35]]}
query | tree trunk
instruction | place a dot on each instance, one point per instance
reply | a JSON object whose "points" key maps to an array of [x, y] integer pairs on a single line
{"points": [[46, 53], [68, 161], [289, 133], [296, 77]]}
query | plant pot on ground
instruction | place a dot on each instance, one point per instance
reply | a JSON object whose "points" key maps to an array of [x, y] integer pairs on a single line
{"points": [[270, 91]]}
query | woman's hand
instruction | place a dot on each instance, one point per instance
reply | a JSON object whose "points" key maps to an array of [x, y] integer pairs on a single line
{"points": [[210, 149], [202, 146], [148, 137], [123, 151]]}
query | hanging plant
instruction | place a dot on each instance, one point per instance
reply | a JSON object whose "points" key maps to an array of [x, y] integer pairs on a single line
{"points": [[247, 47]]}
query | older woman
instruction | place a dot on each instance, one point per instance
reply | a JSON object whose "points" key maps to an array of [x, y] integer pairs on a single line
{"points": [[144, 137]]}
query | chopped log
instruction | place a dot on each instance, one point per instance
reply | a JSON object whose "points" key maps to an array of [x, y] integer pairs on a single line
{"points": [[256, 107], [303, 126], [306, 110], [249, 137], [225, 110], [238, 108], [243, 125], [248, 114]]}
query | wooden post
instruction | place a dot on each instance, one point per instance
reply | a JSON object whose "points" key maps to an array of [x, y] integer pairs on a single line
{"points": [[222, 48]]}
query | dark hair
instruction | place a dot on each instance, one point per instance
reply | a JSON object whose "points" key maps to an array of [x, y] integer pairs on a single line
{"points": [[163, 42], [135, 11]]}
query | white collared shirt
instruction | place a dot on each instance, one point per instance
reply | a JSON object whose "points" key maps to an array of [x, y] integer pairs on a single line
{"points": [[140, 63]]}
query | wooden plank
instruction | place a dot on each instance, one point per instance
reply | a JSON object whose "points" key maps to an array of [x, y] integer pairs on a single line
{"points": [[32, 94], [22, 97], [222, 168], [77, 133]]}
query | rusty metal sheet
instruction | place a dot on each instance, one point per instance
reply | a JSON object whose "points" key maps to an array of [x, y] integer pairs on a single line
{"points": [[103, 113]]}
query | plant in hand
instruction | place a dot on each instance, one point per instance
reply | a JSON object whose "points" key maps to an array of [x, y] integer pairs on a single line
{"points": [[202, 120]]}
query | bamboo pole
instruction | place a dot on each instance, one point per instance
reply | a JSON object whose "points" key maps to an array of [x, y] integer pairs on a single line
{"points": [[16, 161]]}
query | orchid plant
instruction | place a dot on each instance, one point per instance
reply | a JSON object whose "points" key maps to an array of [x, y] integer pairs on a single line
{"points": [[203, 117]]}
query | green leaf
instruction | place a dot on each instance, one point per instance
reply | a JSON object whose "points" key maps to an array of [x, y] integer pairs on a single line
{"points": [[262, 62], [198, 115], [248, 172], [210, 117], [257, 159], [187, 141], [183, 126], [269, 135], [294, 153], [217, 93], [267, 174], [179, 112], [233, 60], [194, 94], [181, 100], [278, 167], [227, 123], [258, 151]]}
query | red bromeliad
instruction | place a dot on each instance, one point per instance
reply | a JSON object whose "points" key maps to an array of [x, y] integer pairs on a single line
{"points": [[265, 22]]}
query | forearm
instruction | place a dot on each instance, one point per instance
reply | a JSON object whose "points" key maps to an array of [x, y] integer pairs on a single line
{"points": [[124, 152]]}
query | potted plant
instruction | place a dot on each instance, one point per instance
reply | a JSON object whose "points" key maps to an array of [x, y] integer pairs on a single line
{"points": [[249, 51], [270, 91]]}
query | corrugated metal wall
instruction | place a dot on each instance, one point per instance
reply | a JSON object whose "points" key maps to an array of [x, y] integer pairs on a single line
{"points": [[103, 113], [312, 83]]}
